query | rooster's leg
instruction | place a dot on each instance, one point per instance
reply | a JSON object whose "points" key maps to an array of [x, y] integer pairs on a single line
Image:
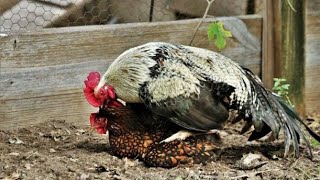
{"points": [[170, 154]]}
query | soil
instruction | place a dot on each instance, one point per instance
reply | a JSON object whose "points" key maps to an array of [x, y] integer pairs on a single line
{"points": [[58, 150]]}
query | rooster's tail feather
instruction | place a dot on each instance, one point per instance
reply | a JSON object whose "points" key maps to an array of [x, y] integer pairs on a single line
{"points": [[271, 113]]}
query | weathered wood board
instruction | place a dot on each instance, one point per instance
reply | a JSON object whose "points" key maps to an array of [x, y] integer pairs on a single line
{"points": [[312, 55], [42, 72]]}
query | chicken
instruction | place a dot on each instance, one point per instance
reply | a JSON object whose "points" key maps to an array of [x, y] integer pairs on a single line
{"points": [[130, 136], [196, 89]]}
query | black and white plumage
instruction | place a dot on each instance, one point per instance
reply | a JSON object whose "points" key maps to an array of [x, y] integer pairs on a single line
{"points": [[199, 90]]}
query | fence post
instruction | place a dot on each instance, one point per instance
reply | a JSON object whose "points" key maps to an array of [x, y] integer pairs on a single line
{"points": [[289, 48], [268, 44]]}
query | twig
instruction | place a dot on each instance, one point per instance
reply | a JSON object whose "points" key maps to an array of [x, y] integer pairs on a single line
{"points": [[203, 17], [288, 100], [151, 11], [291, 6], [304, 173]]}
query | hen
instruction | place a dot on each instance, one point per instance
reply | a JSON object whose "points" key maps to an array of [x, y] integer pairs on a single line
{"points": [[130, 136], [196, 89]]}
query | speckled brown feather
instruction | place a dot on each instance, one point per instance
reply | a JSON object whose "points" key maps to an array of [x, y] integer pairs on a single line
{"points": [[191, 150], [130, 137]]}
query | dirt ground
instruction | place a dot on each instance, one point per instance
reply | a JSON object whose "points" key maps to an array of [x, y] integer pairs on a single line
{"points": [[57, 150]]}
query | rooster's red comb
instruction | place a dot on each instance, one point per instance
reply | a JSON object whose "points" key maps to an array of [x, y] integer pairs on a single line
{"points": [[91, 82]]}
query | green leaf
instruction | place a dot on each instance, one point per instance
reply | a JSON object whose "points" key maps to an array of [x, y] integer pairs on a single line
{"points": [[276, 88], [276, 85], [282, 89], [285, 86], [218, 34]]}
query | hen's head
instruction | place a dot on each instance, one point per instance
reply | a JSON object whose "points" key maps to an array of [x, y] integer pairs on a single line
{"points": [[98, 122], [99, 94]]}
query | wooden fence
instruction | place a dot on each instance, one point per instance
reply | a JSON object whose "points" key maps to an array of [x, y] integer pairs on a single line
{"points": [[42, 72], [312, 56]]}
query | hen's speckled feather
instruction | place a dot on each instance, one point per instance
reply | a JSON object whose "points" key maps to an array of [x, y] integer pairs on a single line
{"points": [[132, 135]]}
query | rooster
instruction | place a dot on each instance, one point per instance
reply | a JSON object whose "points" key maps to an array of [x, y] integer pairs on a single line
{"points": [[196, 89]]}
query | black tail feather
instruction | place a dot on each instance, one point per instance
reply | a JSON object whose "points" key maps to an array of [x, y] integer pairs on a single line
{"points": [[269, 109], [312, 133], [294, 115]]}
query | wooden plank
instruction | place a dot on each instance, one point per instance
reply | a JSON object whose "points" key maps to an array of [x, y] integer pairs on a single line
{"points": [[50, 47], [268, 44], [42, 72], [312, 55]]}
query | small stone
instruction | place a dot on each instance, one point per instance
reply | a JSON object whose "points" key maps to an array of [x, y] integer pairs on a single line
{"points": [[73, 159], [84, 176], [15, 141], [52, 150], [28, 166], [250, 161], [56, 138], [100, 169], [275, 157], [14, 154], [81, 131], [128, 162]]}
